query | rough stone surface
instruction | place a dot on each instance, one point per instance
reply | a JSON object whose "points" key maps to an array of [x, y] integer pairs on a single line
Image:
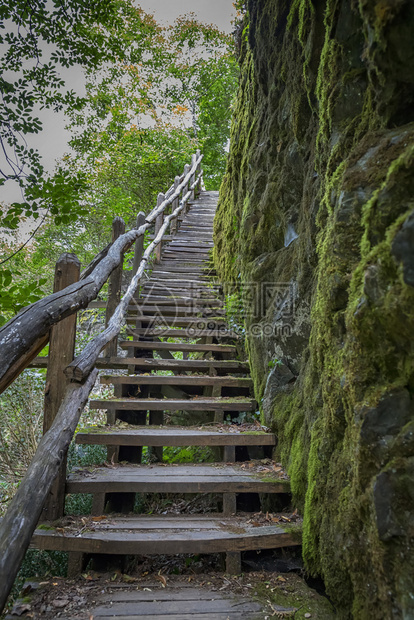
{"points": [[316, 216]]}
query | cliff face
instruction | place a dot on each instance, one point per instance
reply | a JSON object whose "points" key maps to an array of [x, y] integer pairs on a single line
{"points": [[316, 217]]}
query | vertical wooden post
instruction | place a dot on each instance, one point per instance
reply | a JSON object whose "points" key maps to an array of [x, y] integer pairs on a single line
{"points": [[139, 248], [115, 282], [158, 223], [173, 225], [193, 177], [185, 190], [138, 252], [61, 353], [198, 187]]}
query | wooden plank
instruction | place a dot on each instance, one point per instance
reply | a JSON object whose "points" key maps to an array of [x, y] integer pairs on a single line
{"points": [[152, 364], [180, 300], [165, 404], [172, 479], [184, 333], [166, 608], [230, 537], [236, 615], [175, 321], [171, 436], [61, 353], [177, 310], [177, 380]]}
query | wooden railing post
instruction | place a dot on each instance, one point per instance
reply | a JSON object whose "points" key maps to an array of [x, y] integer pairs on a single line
{"points": [[174, 223], [158, 223], [115, 283], [198, 186], [193, 176], [138, 249], [185, 190], [61, 353], [138, 252]]}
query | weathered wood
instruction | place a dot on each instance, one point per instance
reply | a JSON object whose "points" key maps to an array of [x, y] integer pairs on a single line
{"points": [[173, 479], [24, 511], [184, 333], [233, 563], [174, 223], [158, 226], [177, 380], [115, 283], [61, 352], [171, 436], [22, 362], [193, 160], [19, 335], [83, 364], [140, 535], [195, 404], [143, 363], [189, 322]]}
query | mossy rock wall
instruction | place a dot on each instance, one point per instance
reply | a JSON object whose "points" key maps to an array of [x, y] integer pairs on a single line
{"points": [[316, 216]]}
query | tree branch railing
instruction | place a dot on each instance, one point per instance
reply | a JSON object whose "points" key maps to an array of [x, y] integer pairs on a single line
{"points": [[25, 331], [24, 336]]}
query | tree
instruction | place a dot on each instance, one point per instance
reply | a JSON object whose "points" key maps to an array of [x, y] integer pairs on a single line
{"points": [[39, 38]]}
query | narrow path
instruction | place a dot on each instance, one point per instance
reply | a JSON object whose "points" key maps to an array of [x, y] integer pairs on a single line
{"points": [[185, 408]]}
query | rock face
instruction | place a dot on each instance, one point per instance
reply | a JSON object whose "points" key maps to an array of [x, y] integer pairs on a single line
{"points": [[316, 218]]}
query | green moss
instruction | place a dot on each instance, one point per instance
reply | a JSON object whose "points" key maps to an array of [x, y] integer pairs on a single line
{"points": [[321, 140]]}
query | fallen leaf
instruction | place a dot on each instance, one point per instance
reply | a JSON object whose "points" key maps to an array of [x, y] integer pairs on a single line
{"points": [[98, 518], [60, 602], [18, 610], [162, 579], [128, 579]]}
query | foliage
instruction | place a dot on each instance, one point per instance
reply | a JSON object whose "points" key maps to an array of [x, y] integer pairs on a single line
{"points": [[38, 40], [21, 422]]}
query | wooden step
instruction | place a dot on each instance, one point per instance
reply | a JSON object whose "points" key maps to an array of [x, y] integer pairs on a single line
{"points": [[184, 333], [175, 404], [153, 535], [187, 301], [171, 436], [148, 364], [226, 381], [198, 323], [176, 602], [174, 346], [159, 478], [162, 310]]}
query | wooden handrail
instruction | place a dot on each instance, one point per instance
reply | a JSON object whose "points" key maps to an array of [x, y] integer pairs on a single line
{"points": [[21, 337], [83, 364], [24, 511]]}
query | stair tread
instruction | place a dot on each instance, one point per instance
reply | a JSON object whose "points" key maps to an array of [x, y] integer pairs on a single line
{"points": [[175, 404], [189, 478], [173, 436], [144, 363], [176, 346], [152, 534], [190, 332], [226, 381]]}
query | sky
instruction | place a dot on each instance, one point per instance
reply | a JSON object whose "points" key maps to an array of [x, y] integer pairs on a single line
{"points": [[52, 141]]}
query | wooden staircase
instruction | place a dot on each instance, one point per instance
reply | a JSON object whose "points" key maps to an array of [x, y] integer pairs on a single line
{"points": [[179, 301]]}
